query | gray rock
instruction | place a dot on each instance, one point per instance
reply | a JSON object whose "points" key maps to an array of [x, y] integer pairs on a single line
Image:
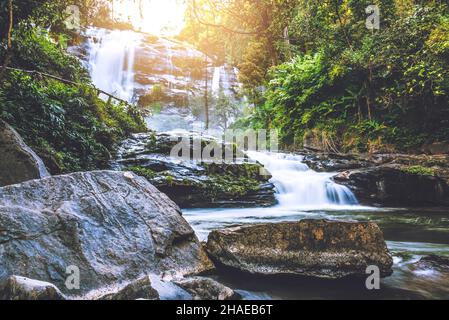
{"points": [[331, 162], [207, 289], [114, 226], [21, 288], [392, 186], [436, 148], [434, 262], [316, 248], [138, 290], [196, 184], [18, 163]]}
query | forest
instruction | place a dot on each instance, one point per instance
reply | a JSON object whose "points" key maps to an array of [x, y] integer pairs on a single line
{"points": [[118, 180], [314, 69]]}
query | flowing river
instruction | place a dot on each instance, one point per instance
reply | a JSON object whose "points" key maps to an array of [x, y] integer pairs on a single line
{"points": [[115, 60], [303, 193]]}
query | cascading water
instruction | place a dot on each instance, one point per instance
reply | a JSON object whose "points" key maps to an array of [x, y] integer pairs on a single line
{"points": [[299, 187], [223, 79], [216, 81], [111, 55], [170, 65], [301, 193]]}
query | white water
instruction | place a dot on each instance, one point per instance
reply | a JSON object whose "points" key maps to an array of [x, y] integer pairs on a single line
{"points": [[111, 60], [223, 79], [216, 81], [170, 65], [300, 187], [301, 193]]}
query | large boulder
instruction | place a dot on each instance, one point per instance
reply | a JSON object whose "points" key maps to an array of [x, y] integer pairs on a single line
{"points": [[18, 163], [196, 184], [112, 226], [317, 248], [392, 185], [21, 288]]}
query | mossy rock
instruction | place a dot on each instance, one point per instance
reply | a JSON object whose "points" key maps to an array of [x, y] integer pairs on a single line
{"points": [[228, 186]]}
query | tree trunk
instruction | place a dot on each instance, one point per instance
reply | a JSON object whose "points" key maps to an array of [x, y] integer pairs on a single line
{"points": [[10, 24], [206, 96], [266, 21], [112, 10], [9, 41]]}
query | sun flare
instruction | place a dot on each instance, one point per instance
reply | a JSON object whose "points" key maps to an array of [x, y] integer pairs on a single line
{"points": [[158, 17]]}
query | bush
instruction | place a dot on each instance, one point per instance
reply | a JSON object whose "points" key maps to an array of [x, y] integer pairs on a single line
{"points": [[69, 126], [389, 90]]}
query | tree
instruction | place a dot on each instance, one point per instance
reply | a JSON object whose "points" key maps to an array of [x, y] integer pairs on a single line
{"points": [[225, 110]]}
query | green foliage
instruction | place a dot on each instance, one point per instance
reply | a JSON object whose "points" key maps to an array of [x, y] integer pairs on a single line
{"points": [[224, 110], [156, 95], [357, 89], [143, 172], [420, 170], [36, 49], [369, 92], [69, 126]]}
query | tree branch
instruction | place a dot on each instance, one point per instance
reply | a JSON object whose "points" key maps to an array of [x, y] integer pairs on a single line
{"points": [[214, 25]]}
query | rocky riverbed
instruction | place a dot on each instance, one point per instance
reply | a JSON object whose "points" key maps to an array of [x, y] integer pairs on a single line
{"points": [[126, 239]]}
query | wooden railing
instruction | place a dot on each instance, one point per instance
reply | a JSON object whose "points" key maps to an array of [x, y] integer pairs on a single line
{"points": [[99, 91]]}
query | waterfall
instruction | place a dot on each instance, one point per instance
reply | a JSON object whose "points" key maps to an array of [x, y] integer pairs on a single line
{"points": [[223, 79], [216, 81], [111, 55], [170, 65], [299, 186]]}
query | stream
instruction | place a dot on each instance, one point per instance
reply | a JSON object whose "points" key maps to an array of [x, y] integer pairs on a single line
{"points": [[305, 194], [128, 65]]}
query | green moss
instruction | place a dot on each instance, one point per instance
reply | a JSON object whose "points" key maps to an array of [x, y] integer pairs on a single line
{"points": [[230, 186], [143, 172], [225, 184], [420, 170]]}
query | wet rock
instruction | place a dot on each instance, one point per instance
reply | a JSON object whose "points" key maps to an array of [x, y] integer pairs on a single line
{"points": [[112, 226], [394, 186], [139, 290], [429, 277], [21, 288], [207, 289], [331, 162], [18, 163], [196, 184], [316, 248], [434, 262], [436, 148]]}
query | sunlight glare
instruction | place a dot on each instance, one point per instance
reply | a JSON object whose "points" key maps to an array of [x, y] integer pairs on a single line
{"points": [[158, 17]]}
